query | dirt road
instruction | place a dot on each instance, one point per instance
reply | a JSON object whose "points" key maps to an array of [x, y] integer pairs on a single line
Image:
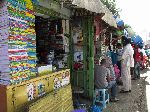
{"points": [[134, 101]]}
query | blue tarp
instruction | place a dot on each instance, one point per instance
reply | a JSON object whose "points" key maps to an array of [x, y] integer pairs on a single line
{"points": [[119, 21], [137, 40]]}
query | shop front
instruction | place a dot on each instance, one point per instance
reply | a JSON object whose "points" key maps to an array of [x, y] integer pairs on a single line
{"points": [[88, 45], [91, 35], [41, 44], [34, 45]]}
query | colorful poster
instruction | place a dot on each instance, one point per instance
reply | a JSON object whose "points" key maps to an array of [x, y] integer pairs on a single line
{"points": [[57, 83], [30, 92], [41, 89], [65, 78]]}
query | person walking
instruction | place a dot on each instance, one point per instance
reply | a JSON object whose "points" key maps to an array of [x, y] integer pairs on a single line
{"points": [[126, 64]]}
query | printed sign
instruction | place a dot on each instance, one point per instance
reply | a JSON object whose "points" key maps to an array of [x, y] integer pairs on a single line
{"points": [[65, 78], [57, 83], [41, 89], [30, 92]]}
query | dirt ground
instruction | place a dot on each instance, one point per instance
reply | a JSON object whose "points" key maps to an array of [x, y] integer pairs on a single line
{"points": [[134, 101]]}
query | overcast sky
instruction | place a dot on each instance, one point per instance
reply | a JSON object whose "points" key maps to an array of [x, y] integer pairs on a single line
{"points": [[136, 13]]}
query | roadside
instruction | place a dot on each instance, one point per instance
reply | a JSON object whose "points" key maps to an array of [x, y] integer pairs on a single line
{"points": [[134, 101]]}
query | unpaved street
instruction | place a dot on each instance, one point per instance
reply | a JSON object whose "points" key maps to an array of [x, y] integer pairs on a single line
{"points": [[136, 101]]}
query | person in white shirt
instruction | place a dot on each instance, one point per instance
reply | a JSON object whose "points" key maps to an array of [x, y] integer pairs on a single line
{"points": [[126, 65]]}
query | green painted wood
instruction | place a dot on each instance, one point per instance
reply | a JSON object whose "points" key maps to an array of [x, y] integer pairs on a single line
{"points": [[72, 77], [85, 78], [84, 26], [91, 55]]}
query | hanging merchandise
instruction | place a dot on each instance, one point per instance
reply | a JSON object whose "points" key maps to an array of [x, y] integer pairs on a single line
{"points": [[17, 40], [78, 45], [4, 33], [30, 47], [119, 21]]}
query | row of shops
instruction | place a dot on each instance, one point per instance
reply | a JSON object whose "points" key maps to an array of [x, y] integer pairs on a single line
{"points": [[48, 49]]}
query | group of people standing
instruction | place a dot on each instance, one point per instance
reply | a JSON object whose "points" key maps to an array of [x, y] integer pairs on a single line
{"points": [[128, 61]]}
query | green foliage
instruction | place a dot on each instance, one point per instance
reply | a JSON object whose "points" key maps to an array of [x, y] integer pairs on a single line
{"points": [[111, 5]]}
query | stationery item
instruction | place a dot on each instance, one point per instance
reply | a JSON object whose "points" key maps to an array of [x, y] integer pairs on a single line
{"points": [[17, 40]]}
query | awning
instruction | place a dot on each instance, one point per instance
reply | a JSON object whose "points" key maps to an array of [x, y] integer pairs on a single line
{"points": [[90, 5], [94, 6], [108, 18], [50, 8], [98, 7]]}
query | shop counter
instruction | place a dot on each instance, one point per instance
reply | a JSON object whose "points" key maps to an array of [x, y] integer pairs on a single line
{"points": [[15, 98]]}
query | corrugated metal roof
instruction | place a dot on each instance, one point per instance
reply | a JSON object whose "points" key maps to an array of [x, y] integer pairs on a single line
{"points": [[94, 6], [108, 18], [91, 5]]}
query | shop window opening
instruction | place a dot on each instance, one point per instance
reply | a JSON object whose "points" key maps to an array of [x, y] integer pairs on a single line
{"points": [[52, 44]]}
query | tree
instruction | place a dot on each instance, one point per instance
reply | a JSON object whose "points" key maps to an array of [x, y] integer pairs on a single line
{"points": [[111, 5]]}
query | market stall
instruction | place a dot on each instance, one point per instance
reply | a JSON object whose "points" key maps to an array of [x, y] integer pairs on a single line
{"points": [[34, 46], [85, 30]]}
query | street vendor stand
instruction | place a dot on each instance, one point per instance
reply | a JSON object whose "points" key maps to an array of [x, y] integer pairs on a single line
{"points": [[41, 49], [27, 77], [85, 31]]}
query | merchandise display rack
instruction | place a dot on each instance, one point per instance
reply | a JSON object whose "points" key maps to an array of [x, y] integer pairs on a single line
{"points": [[21, 41]]}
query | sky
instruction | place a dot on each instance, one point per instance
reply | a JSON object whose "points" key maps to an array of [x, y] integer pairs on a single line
{"points": [[136, 13]]}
